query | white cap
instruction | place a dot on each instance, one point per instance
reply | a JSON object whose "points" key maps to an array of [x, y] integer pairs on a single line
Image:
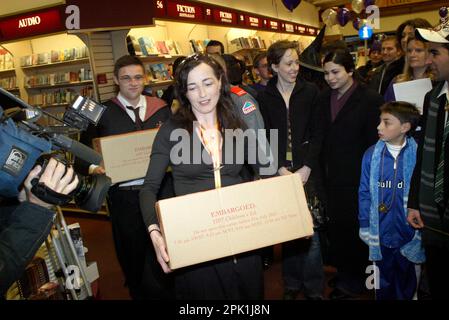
{"points": [[432, 35], [439, 34]]}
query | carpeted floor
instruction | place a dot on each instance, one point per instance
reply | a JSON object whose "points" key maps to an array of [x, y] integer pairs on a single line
{"points": [[97, 236]]}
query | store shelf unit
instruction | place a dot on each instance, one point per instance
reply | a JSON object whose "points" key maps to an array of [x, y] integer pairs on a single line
{"points": [[55, 64], [158, 72], [53, 85]]}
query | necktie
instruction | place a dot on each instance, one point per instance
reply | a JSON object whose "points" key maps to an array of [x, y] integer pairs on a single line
{"points": [[439, 177], [138, 122]]}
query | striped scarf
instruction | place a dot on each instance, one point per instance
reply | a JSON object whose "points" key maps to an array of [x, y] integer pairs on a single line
{"points": [[412, 250], [427, 205]]}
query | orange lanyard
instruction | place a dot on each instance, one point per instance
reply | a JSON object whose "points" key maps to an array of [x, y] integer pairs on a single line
{"points": [[211, 139]]}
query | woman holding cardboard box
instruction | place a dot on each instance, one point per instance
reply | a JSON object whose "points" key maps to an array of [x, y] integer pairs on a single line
{"points": [[205, 111]]}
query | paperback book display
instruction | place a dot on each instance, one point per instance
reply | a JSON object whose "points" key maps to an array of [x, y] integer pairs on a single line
{"points": [[58, 78], [54, 56], [8, 83], [6, 60], [147, 46]]}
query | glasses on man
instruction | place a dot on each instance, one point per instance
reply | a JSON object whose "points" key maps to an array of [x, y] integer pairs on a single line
{"points": [[128, 79]]}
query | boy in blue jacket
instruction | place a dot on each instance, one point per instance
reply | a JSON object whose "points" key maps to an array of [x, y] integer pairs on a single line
{"points": [[387, 168]]}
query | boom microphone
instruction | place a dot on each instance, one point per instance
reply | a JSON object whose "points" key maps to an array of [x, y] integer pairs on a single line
{"points": [[78, 149]]}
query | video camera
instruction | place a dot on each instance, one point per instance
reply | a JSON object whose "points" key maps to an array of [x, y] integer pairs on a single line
{"points": [[23, 142]]}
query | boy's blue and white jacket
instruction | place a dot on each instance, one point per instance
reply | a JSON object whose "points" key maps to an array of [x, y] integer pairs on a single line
{"points": [[389, 229]]}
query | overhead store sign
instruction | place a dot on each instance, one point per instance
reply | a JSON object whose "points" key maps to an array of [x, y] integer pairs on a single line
{"points": [[226, 17], [31, 24], [393, 3], [184, 10], [200, 12], [273, 25], [253, 22]]}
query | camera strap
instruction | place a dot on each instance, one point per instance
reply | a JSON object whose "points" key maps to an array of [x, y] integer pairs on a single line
{"points": [[48, 195]]}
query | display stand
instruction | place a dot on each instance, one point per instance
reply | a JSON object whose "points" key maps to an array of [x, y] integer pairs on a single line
{"points": [[68, 261]]}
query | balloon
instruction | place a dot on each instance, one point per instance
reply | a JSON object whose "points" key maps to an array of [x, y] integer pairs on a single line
{"points": [[368, 3], [329, 17], [357, 6], [342, 16], [443, 12], [291, 4], [357, 23]]}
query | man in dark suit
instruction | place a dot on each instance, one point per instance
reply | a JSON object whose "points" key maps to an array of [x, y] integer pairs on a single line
{"points": [[127, 112], [392, 57], [429, 191]]}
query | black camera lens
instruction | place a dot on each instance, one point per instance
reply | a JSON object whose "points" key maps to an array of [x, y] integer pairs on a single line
{"points": [[91, 191]]}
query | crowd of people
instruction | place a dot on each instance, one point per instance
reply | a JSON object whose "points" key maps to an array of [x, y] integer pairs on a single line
{"points": [[352, 144], [378, 166]]}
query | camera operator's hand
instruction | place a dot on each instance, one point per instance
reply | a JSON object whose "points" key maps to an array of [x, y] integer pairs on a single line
{"points": [[53, 177]]}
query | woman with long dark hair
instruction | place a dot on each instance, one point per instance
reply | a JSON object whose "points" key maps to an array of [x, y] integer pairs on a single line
{"points": [[205, 112]]}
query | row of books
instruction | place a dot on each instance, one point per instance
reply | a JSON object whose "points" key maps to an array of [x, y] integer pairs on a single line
{"points": [[249, 43], [33, 278], [58, 78], [8, 83], [54, 56], [158, 72], [6, 60], [61, 96], [146, 46], [198, 46]]}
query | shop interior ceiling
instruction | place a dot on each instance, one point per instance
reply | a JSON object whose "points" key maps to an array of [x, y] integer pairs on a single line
{"points": [[323, 4]]}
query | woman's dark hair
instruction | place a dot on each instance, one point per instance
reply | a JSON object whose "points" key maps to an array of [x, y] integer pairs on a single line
{"points": [[177, 62], [227, 119], [277, 50], [415, 23], [258, 58], [341, 57]]}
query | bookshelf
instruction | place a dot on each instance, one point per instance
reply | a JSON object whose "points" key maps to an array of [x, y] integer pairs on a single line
{"points": [[8, 79], [60, 85], [61, 63], [53, 79], [158, 71]]}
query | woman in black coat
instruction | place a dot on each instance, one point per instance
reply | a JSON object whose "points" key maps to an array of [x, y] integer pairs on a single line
{"points": [[350, 115], [288, 105]]}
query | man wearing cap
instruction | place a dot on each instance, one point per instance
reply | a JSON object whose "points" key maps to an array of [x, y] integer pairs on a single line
{"points": [[375, 61], [429, 192]]}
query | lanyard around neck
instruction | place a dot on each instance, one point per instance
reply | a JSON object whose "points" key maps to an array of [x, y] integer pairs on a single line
{"points": [[212, 141]]}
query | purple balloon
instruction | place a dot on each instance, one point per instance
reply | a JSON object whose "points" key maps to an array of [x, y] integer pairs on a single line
{"points": [[343, 16], [291, 4], [356, 23], [443, 12], [369, 2]]}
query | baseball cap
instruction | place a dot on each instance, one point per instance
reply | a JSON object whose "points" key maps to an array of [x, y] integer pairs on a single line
{"points": [[439, 34]]}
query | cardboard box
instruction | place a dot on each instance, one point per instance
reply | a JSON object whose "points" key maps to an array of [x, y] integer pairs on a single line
{"points": [[222, 222], [126, 156]]}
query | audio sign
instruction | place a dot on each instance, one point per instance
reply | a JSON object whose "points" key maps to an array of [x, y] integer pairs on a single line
{"points": [[31, 24]]}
